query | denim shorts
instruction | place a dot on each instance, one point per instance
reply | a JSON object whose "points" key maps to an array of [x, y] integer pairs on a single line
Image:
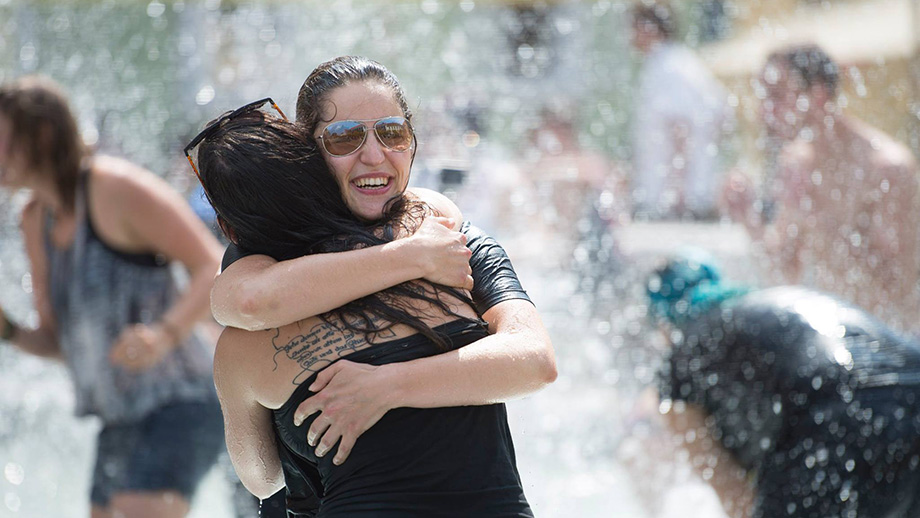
{"points": [[169, 450]]}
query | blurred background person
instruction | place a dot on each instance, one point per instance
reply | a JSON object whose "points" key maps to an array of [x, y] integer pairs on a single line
{"points": [[847, 210], [789, 402], [567, 182], [99, 234], [680, 111]]}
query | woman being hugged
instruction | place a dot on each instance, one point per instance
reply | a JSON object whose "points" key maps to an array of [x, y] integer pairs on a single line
{"points": [[275, 195], [354, 109], [99, 233]]}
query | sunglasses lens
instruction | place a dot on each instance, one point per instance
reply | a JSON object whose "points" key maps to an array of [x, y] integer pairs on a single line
{"points": [[344, 137], [394, 133]]}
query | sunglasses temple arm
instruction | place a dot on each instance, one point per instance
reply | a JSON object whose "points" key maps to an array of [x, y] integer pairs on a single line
{"points": [[275, 106], [192, 163]]}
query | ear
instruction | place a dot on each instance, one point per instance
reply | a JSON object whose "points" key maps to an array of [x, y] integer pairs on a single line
{"points": [[225, 228]]}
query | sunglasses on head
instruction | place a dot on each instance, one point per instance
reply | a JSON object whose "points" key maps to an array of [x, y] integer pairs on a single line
{"points": [[342, 138], [212, 128]]}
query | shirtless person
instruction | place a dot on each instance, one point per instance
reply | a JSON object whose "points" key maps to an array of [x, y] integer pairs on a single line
{"points": [[846, 194]]}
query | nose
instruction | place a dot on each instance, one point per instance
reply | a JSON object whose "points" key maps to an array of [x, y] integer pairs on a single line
{"points": [[372, 152]]}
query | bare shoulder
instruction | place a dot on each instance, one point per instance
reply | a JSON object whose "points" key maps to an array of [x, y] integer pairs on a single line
{"points": [[893, 156], [437, 201], [887, 154], [118, 177]]}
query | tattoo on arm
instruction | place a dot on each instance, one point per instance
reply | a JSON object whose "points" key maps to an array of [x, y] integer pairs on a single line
{"points": [[320, 346]]}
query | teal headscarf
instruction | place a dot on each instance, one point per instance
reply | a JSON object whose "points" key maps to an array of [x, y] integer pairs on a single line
{"points": [[687, 286]]}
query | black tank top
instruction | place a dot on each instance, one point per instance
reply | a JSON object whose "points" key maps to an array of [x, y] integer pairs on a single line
{"points": [[449, 462]]}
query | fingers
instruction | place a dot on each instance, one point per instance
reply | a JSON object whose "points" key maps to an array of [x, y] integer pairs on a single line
{"points": [[324, 377], [317, 431], [468, 283], [308, 407], [345, 446]]}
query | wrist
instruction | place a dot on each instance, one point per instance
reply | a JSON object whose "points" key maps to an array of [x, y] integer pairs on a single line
{"points": [[410, 252], [171, 331], [394, 389]]}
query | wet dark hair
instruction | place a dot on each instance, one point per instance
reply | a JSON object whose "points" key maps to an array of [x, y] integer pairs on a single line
{"points": [[811, 64], [657, 14], [43, 126], [337, 73], [274, 195]]}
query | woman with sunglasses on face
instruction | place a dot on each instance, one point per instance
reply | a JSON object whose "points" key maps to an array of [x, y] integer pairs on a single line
{"points": [[353, 108], [99, 233], [275, 195]]}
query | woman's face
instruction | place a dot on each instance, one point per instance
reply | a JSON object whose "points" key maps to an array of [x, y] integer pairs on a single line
{"points": [[372, 175]]}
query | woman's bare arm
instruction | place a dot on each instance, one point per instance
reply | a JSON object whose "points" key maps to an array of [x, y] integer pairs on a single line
{"points": [[710, 460], [247, 424], [257, 292], [516, 360], [137, 211]]}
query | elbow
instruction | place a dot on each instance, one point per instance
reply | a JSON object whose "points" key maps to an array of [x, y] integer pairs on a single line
{"points": [[545, 366], [251, 303], [261, 473], [240, 308], [548, 372], [264, 489]]}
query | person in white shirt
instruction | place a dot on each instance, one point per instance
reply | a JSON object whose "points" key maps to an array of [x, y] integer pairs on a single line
{"points": [[681, 109]]}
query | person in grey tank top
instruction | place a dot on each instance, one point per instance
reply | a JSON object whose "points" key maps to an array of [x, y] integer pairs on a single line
{"points": [[100, 233]]}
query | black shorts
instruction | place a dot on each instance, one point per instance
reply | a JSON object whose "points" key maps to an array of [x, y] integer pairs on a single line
{"points": [[170, 450]]}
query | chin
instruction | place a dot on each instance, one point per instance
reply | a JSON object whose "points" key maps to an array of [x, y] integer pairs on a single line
{"points": [[368, 215]]}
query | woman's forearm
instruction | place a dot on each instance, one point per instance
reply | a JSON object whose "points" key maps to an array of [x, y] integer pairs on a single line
{"points": [[257, 292], [711, 461], [516, 360]]}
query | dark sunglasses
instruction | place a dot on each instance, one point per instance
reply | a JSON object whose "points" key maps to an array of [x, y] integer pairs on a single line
{"points": [[220, 121], [342, 138]]}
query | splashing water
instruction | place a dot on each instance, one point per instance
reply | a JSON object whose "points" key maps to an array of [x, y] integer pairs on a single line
{"points": [[523, 113]]}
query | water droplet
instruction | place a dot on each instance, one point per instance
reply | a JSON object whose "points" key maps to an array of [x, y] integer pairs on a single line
{"points": [[205, 95], [14, 473], [156, 9]]}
